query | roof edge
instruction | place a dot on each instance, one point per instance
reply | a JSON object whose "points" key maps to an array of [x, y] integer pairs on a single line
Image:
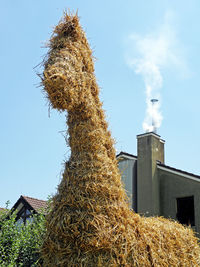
{"points": [[182, 173], [126, 155]]}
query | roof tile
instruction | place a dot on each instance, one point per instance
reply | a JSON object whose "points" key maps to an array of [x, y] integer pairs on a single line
{"points": [[37, 204]]}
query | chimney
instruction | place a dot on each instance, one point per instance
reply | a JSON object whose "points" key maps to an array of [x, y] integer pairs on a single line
{"points": [[150, 150]]}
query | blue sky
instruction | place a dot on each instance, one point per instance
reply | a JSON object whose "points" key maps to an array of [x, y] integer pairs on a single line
{"points": [[137, 44]]}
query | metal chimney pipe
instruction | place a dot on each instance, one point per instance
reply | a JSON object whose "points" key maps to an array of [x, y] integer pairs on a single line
{"points": [[153, 101]]}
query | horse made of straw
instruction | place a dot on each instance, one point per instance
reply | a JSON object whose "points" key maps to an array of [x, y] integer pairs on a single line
{"points": [[90, 223]]}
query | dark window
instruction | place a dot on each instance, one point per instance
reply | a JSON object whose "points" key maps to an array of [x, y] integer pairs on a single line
{"points": [[185, 210], [24, 214]]}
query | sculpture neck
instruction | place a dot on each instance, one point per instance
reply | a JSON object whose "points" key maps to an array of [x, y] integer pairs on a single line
{"points": [[88, 131]]}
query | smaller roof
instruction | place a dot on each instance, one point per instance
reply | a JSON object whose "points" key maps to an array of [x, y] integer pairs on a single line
{"points": [[36, 204]]}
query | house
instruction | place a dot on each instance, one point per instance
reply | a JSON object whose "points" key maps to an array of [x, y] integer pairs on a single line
{"points": [[155, 189], [26, 206]]}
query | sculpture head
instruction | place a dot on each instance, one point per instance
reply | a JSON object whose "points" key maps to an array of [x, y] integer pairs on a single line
{"points": [[69, 69]]}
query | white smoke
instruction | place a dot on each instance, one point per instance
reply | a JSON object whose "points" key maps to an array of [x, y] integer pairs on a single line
{"points": [[149, 55]]}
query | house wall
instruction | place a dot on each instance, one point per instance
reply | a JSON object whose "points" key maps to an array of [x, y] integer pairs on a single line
{"points": [[128, 170], [173, 186]]}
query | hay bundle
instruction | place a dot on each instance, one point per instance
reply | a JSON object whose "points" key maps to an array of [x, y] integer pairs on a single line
{"points": [[90, 223]]}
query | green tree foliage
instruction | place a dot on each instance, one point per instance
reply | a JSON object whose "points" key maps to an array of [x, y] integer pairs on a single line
{"points": [[20, 244]]}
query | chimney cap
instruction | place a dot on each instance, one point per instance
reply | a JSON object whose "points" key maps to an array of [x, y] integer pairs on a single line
{"points": [[150, 134], [154, 100]]}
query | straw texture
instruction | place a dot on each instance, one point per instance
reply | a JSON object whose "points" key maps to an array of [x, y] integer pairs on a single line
{"points": [[90, 223]]}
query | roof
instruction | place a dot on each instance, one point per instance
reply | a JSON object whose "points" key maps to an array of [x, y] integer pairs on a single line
{"points": [[178, 171], [36, 204], [32, 204], [121, 154], [163, 166]]}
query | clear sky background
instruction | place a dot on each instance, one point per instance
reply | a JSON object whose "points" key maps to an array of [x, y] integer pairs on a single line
{"points": [[137, 44]]}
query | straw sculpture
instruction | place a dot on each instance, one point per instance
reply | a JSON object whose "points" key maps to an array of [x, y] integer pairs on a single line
{"points": [[90, 223]]}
